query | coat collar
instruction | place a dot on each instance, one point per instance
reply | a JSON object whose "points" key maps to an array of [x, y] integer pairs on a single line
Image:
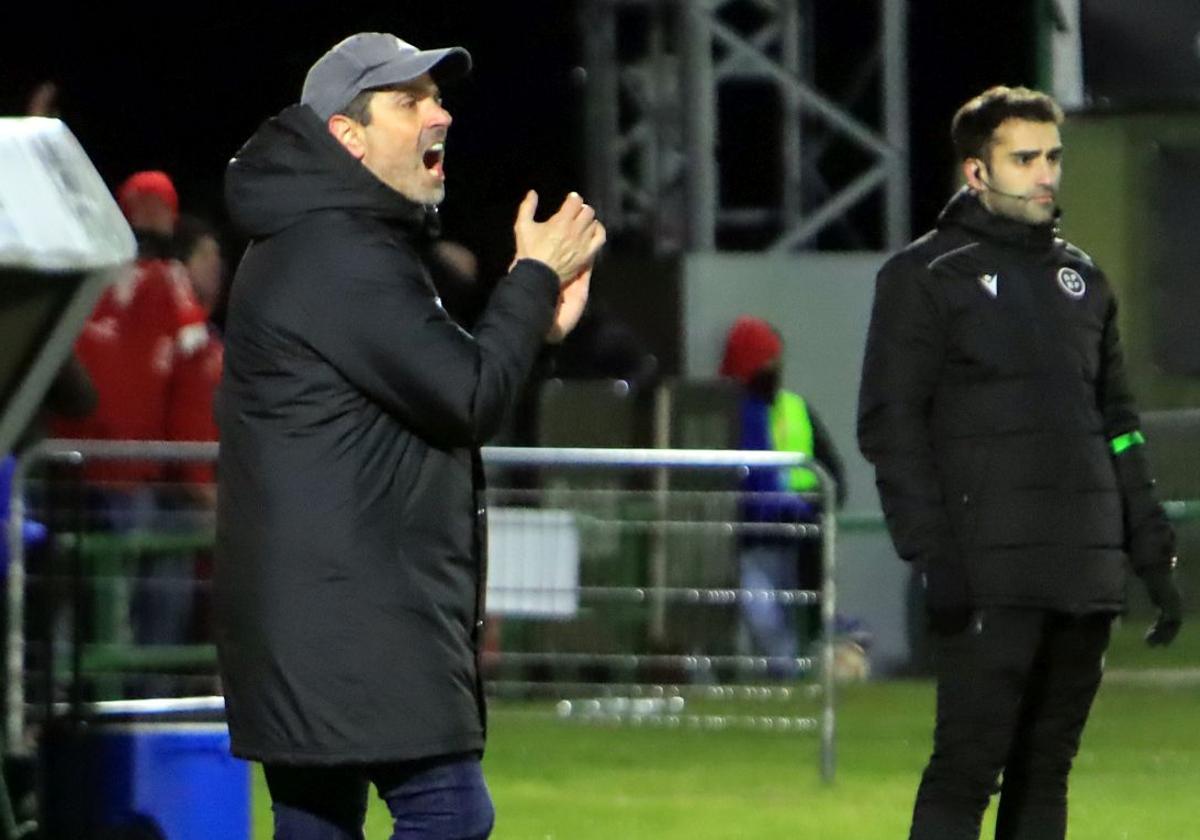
{"points": [[966, 211], [293, 166]]}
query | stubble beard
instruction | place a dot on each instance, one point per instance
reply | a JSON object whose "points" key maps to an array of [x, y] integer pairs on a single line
{"points": [[419, 193], [1025, 211]]}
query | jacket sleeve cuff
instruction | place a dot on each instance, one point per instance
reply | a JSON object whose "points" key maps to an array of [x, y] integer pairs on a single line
{"points": [[543, 276]]}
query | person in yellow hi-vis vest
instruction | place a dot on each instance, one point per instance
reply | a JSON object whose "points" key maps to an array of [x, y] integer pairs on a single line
{"points": [[773, 418]]}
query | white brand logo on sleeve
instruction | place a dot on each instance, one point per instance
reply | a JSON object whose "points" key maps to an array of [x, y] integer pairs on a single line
{"points": [[990, 283], [1070, 281]]}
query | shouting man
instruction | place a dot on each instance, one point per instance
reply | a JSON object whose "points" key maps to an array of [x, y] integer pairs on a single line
{"points": [[350, 532]]}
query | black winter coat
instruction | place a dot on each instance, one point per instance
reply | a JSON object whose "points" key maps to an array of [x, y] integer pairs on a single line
{"points": [[350, 568], [992, 386]]}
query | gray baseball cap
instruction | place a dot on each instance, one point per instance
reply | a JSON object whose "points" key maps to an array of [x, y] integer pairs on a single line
{"points": [[371, 60]]}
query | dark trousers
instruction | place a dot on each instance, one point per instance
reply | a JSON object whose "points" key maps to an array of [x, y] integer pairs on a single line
{"points": [[1013, 694], [442, 798]]}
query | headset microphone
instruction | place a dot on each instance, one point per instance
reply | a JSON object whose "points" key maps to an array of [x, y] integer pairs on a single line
{"points": [[991, 189]]}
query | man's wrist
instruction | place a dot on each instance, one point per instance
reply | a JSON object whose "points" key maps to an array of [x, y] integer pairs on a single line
{"points": [[547, 275]]}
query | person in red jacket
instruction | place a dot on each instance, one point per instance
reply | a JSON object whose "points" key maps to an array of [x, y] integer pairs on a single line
{"points": [[134, 347], [136, 336]]}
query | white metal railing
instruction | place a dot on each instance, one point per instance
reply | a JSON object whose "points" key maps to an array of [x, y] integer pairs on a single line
{"points": [[640, 701]]}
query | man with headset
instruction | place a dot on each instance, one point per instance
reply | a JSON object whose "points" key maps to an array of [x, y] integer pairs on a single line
{"points": [[995, 409]]}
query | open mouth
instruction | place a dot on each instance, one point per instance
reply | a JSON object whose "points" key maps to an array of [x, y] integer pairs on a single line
{"points": [[434, 158]]}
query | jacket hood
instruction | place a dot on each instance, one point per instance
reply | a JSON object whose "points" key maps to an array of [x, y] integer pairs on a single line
{"points": [[292, 166], [965, 210]]}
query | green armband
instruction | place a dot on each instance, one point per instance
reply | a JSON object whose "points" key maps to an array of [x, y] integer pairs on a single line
{"points": [[1121, 443]]}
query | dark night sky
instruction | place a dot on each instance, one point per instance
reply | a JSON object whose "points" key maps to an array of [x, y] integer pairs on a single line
{"points": [[181, 93]]}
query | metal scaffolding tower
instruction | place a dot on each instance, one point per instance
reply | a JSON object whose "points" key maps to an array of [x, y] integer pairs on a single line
{"points": [[658, 75]]}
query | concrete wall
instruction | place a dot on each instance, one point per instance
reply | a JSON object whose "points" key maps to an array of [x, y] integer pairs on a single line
{"points": [[821, 304]]}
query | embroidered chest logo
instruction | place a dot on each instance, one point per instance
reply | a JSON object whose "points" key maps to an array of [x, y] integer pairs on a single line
{"points": [[1070, 281], [990, 283]]}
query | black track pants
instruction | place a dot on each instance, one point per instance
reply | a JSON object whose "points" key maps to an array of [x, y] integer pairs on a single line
{"points": [[1013, 695]]}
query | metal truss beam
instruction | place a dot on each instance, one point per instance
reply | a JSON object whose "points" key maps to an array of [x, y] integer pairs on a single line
{"points": [[656, 72]]}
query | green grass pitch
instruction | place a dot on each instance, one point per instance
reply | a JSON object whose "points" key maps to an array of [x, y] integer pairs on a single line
{"points": [[1136, 776]]}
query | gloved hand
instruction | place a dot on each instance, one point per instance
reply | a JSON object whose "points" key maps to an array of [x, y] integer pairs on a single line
{"points": [[1150, 539], [1150, 542], [947, 595], [1164, 593]]}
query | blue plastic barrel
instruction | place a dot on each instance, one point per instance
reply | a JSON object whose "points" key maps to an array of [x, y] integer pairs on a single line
{"points": [[174, 775]]}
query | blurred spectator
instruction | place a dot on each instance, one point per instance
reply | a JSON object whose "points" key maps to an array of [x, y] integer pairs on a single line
{"points": [[141, 328], [70, 395], [196, 376], [198, 247], [455, 272], [773, 418], [150, 203], [43, 100], [603, 346], [135, 345]]}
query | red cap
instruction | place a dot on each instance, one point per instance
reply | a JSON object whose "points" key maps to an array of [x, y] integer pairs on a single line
{"points": [[149, 184], [752, 344]]}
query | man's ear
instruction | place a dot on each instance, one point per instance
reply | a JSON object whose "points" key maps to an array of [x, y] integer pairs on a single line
{"points": [[349, 133], [973, 173]]}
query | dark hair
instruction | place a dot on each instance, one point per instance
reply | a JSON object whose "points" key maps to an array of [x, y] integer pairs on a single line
{"points": [[359, 108], [974, 127], [189, 230]]}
